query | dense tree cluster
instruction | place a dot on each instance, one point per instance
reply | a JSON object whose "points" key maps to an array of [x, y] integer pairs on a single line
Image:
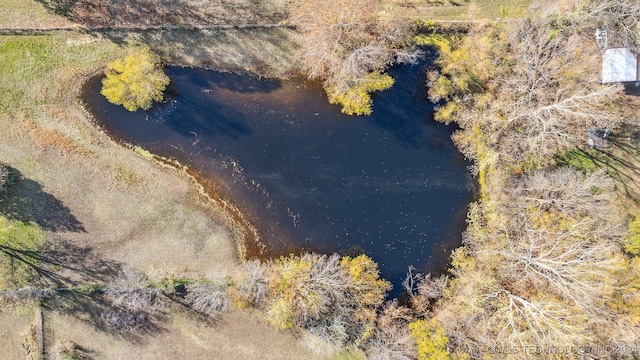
{"points": [[347, 44], [523, 89], [543, 267], [542, 261], [340, 301], [335, 298]]}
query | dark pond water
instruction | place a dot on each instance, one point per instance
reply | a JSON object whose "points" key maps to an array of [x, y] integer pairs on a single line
{"points": [[309, 178]]}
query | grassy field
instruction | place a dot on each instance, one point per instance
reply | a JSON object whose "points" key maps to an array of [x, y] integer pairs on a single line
{"points": [[471, 10], [28, 14]]}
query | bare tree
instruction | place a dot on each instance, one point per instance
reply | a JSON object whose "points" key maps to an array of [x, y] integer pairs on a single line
{"points": [[344, 41], [566, 190], [207, 298], [331, 30], [133, 298], [392, 342], [621, 19], [543, 105], [252, 282], [542, 98], [519, 321], [335, 298], [125, 319], [315, 283], [333, 330], [132, 290], [26, 293], [392, 338], [546, 269], [423, 290], [409, 56], [572, 269]]}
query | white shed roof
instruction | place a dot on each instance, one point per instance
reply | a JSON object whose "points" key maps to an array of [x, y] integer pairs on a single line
{"points": [[619, 65]]}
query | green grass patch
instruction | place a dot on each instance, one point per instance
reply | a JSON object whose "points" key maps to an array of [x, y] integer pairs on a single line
{"points": [[24, 310], [90, 289], [578, 159], [349, 354], [504, 9], [142, 152], [477, 10], [40, 70], [27, 13], [632, 240], [19, 245]]}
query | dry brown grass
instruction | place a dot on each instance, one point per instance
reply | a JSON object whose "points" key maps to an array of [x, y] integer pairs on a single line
{"points": [[44, 137], [29, 14], [176, 12], [473, 10], [12, 333], [133, 211], [237, 335]]}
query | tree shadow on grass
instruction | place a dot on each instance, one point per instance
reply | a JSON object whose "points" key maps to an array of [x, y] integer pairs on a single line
{"points": [[63, 265], [82, 353], [236, 44], [59, 7], [90, 309], [264, 51], [178, 305], [620, 158], [159, 12], [26, 201], [79, 274], [76, 265]]}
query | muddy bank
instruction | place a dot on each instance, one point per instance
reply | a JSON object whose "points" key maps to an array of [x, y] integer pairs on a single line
{"points": [[246, 233]]}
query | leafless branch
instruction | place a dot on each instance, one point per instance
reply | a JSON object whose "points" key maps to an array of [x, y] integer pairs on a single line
{"points": [[207, 298]]}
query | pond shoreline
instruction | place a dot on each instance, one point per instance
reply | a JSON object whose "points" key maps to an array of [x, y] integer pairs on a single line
{"points": [[381, 170], [206, 188]]}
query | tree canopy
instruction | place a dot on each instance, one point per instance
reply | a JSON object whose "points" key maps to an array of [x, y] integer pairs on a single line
{"points": [[135, 81], [348, 44]]}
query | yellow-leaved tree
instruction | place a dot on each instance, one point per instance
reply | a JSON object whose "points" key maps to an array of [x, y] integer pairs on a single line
{"points": [[334, 297], [430, 339], [356, 100], [135, 81], [632, 240]]}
